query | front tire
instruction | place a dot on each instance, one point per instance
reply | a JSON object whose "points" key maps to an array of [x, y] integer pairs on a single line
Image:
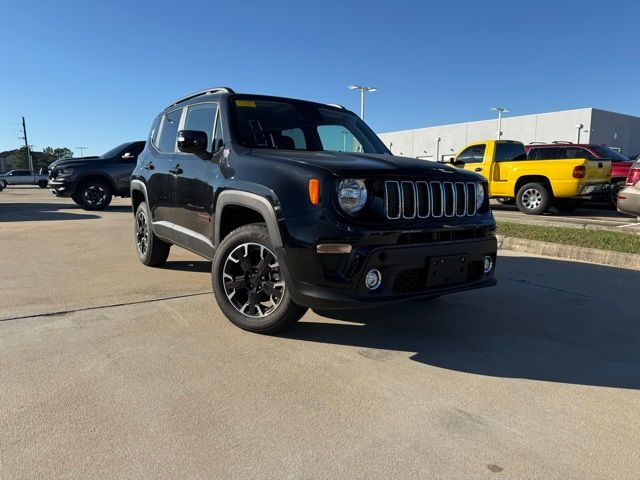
{"points": [[533, 198], [248, 283], [94, 195], [151, 250], [76, 199]]}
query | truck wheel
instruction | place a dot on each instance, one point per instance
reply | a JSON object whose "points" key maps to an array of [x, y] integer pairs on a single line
{"points": [[533, 199], [42, 183], [76, 199], [612, 199], [248, 282], [151, 250], [3, 184], [94, 195]]}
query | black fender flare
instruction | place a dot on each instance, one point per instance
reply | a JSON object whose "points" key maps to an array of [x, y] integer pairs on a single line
{"points": [[254, 202]]}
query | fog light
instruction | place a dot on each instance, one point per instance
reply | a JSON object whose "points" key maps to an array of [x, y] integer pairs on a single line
{"points": [[373, 279], [488, 264]]}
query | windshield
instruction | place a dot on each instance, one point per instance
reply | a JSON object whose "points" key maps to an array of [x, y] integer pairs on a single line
{"points": [[297, 125], [114, 151], [606, 152]]}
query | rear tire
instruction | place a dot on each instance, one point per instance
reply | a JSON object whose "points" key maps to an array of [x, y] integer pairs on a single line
{"points": [[533, 198], [43, 183], [151, 250], [248, 283], [94, 195], [3, 184]]}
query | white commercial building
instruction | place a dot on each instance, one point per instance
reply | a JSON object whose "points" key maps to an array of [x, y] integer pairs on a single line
{"points": [[584, 125]]}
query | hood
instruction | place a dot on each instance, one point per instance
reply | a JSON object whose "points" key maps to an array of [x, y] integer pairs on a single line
{"points": [[72, 161], [346, 164]]}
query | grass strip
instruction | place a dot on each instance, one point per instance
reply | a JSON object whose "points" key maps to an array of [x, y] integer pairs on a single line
{"points": [[601, 239]]}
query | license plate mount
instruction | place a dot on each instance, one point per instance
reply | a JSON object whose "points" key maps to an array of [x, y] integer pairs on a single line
{"points": [[447, 270]]}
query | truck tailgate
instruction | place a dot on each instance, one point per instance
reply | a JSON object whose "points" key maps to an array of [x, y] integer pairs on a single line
{"points": [[598, 170]]}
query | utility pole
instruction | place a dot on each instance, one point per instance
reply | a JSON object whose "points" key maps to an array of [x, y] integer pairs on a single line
{"points": [[438, 149], [26, 144], [82, 149]]}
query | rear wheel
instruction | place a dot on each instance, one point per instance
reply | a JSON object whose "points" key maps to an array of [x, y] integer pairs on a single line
{"points": [[151, 250], [42, 183], [3, 184], [248, 283], [533, 198], [94, 195]]}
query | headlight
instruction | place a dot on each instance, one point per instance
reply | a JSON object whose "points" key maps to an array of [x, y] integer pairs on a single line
{"points": [[64, 172], [479, 196], [352, 195]]}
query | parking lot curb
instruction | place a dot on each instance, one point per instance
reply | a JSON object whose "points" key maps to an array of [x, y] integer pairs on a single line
{"points": [[629, 261]]}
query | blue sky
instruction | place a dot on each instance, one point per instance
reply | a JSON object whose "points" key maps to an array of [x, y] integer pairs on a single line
{"points": [[96, 73]]}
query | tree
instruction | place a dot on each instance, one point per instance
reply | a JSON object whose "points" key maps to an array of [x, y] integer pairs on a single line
{"points": [[40, 159]]}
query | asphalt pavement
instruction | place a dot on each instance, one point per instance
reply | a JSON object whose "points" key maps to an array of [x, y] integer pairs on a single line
{"points": [[113, 370]]}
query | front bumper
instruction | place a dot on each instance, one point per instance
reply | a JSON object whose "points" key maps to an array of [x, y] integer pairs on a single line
{"points": [[405, 270], [61, 188]]}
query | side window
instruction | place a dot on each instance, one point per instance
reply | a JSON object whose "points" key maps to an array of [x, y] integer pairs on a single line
{"points": [[548, 153], [169, 131], [296, 136], [217, 135], [153, 134], [506, 152], [201, 117], [338, 138], [577, 152], [473, 154]]}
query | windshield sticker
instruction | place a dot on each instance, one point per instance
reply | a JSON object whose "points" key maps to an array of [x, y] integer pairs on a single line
{"points": [[245, 103]]}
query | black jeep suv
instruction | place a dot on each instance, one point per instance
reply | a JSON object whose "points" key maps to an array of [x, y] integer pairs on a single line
{"points": [[92, 181], [300, 204]]}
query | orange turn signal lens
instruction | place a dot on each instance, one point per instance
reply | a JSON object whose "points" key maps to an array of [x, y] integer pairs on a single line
{"points": [[314, 191]]}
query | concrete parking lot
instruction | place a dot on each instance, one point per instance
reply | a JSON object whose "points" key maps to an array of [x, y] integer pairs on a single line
{"points": [[114, 370]]}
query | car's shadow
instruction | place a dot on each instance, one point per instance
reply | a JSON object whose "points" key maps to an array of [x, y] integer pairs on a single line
{"points": [[29, 212], [547, 320]]}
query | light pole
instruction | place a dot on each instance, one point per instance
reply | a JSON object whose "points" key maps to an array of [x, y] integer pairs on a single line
{"points": [[362, 89], [579, 128], [500, 111], [82, 149], [438, 149]]}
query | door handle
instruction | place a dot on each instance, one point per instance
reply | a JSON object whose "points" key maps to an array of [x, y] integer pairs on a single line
{"points": [[478, 169], [176, 171], [149, 166]]}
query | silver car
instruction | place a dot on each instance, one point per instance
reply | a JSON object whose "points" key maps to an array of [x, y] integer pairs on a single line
{"points": [[629, 196], [24, 177]]}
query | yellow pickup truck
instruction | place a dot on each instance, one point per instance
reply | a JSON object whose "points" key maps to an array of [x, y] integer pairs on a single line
{"points": [[536, 185]]}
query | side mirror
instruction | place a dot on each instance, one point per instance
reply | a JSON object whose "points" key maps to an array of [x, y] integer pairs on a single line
{"points": [[456, 163], [128, 156], [195, 142]]}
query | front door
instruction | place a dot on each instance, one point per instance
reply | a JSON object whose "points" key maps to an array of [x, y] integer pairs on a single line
{"points": [[189, 176]]}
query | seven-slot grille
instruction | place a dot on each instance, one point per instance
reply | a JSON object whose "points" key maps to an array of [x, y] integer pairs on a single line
{"points": [[422, 199]]}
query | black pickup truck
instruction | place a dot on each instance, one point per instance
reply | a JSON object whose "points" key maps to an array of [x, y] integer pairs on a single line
{"points": [[300, 204], [92, 181]]}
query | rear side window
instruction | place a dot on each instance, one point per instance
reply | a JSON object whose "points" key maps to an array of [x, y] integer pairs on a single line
{"points": [[473, 154], [610, 153], [545, 153], [577, 152], [510, 151], [201, 117], [169, 131]]}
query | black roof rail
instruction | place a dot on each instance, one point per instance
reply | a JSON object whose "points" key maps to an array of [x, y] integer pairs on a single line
{"points": [[537, 143], [562, 141], [208, 91], [336, 105]]}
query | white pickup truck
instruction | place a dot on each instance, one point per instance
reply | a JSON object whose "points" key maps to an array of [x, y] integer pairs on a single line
{"points": [[23, 177]]}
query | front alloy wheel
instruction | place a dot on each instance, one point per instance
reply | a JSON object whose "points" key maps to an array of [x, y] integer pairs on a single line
{"points": [[252, 280], [248, 282], [95, 195]]}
